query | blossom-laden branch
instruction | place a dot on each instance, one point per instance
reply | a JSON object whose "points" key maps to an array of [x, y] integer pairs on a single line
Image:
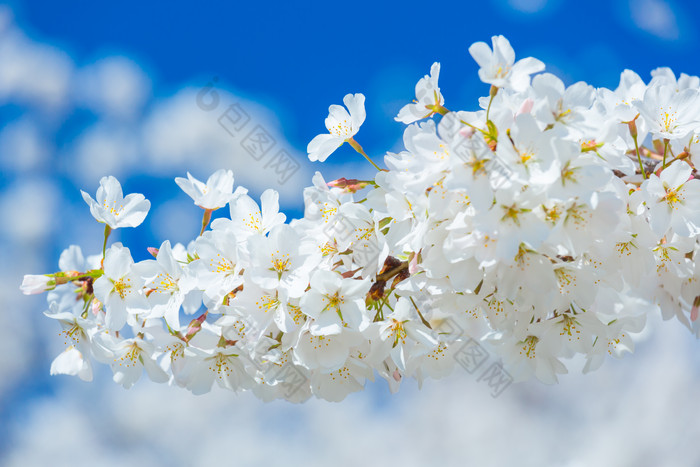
{"points": [[534, 223]]}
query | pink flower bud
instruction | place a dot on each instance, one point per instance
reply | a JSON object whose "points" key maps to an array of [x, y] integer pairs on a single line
{"points": [[195, 325], [466, 132], [36, 284], [413, 264], [349, 186]]}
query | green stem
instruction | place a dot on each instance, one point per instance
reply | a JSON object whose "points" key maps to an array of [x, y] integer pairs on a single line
{"points": [[426, 323], [94, 273], [205, 220], [663, 165], [473, 127], [356, 146], [639, 157], [492, 92], [108, 230]]}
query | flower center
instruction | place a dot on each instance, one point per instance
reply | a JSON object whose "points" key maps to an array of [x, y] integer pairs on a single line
{"points": [[673, 197], [529, 346], [112, 209], [122, 288], [668, 120], [502, 71], [222, 265], [280, 263], [267, 303], [341, 129], [130, 356]]}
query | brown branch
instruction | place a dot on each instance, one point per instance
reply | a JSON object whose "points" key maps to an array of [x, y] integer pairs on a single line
{"points": [[391, 273]]}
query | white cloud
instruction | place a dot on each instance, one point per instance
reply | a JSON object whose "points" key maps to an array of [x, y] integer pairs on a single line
{"points": [[34, 74], [18, 345], [113, 86], [179, 134], [6, 18], [23, 147], [103, 149], [174, 220], [28, 209], [655, 17], [175, 136], [528, 6]]}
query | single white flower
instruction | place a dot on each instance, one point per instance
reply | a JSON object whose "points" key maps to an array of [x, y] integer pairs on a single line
{"points": [[402, 335], [276, 261], [247, 218], [264, 307], [325, 353], [498, 66], [167, 284], [673, 200], [221, 364], [670, 114], [72, 362], [120, 288], [115, 210], [334, 386], [335, 303], [342, 126], [77, 332], [215, 193], [129, 358], [217, 270], [428, 97]]}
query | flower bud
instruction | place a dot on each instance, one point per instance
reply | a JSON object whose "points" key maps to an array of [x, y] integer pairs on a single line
{"points": [[694, 310], [349, 186], [36, 284], [195, 326], [632, 125]]}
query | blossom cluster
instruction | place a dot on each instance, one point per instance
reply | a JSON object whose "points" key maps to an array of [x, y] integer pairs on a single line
{"points": [[545, 224]]}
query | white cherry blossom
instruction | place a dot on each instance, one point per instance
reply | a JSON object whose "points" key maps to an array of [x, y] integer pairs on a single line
{"points": [[342, 125], [670, 114], [215, 193], [115, 210], [673, 200], [335, 303], [546, 223], [428, 98], [498, 65], [120, 289]]}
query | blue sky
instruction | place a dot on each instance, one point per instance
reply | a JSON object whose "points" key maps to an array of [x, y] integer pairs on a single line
{"points": [[299, 57], [90, 88]]}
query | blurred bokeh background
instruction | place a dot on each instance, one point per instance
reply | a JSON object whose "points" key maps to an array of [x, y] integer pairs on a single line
{"points": [[89, 89]]}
